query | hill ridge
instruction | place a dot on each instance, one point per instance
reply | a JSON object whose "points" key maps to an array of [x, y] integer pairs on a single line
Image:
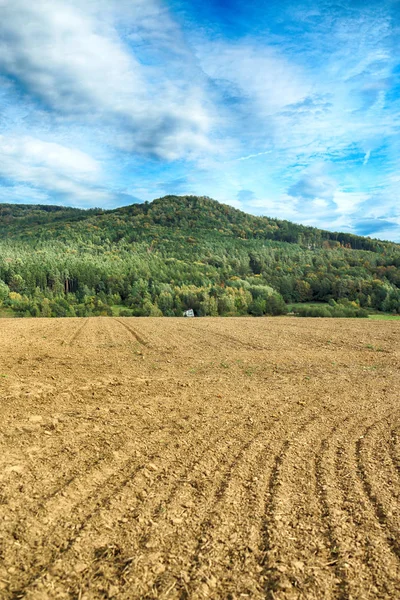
{"points": [[254, 225]]}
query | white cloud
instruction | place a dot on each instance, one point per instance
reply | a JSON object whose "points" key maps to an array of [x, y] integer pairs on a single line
{"points": [[56, 52], [261, 74], [23, 194], [319, 203], [76, 63], [254, 155], [314, 183], [281, 207], [20, 156], [349, 202], [51, 167], [366, 157]]}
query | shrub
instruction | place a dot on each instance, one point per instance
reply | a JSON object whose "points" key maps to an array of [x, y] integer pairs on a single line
{"points": [[275, 305]]}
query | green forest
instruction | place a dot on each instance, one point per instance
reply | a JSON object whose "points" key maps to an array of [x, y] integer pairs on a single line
{"points": [[180, 252]]}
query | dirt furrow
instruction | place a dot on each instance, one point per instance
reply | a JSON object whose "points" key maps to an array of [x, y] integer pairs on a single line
{"points": [[202, 507], [200, 433], [357, 543], [169, 534], [205, 511], [379, 491], [296, 544], [78, 332], [337, 562], [226, 559], [71, 445], [133, 332], [144, 507], [67, 529], [167, 512], [232, 340], [379, 462], [393, 447]]}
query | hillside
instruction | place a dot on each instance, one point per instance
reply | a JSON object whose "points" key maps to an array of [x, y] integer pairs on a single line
{"points": [[182, 212], [179, 252]]}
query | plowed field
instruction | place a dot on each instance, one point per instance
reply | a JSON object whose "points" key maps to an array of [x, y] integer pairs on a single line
{"points": [[199, 458]]}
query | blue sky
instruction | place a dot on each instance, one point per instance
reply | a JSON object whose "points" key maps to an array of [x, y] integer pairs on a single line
{"points": [[287, 109]]}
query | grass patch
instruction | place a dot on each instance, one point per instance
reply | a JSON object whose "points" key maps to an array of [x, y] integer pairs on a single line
{"points": [[294, 305], [116, 309], [374, 348], [6, 313], [384, 317], [302, 307]]}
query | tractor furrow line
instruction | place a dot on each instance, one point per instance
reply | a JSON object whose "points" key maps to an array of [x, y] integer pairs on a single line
{"points": [[361, 540], [207, 518], [232, 339], [117, 489], [296, 548], [393, 448], [185, 502], [78, 332], [323, 480], [382, 511], [133, 333]]}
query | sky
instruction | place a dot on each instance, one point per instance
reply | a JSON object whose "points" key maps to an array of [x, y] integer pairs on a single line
{"points": [[289, 109]]}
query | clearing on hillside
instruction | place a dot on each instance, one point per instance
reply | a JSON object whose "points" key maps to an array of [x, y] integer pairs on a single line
{"points": [[199, 458]]}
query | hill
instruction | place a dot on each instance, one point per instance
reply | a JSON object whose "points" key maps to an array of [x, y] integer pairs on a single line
{"points": [[179, 252], [181, 212]]}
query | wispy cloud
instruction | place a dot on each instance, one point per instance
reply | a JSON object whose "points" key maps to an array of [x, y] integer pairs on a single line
{"points": [[366, 157], [254, 155]]}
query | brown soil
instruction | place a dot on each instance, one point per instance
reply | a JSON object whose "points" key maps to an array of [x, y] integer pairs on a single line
{"points": [[199, 458]]}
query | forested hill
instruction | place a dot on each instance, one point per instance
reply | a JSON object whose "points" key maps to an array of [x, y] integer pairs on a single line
{"points": [[183, 212], [185, 252], [18, 220]]}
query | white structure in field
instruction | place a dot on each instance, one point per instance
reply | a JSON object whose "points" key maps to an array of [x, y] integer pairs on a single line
{"points": [[188, 313]]}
